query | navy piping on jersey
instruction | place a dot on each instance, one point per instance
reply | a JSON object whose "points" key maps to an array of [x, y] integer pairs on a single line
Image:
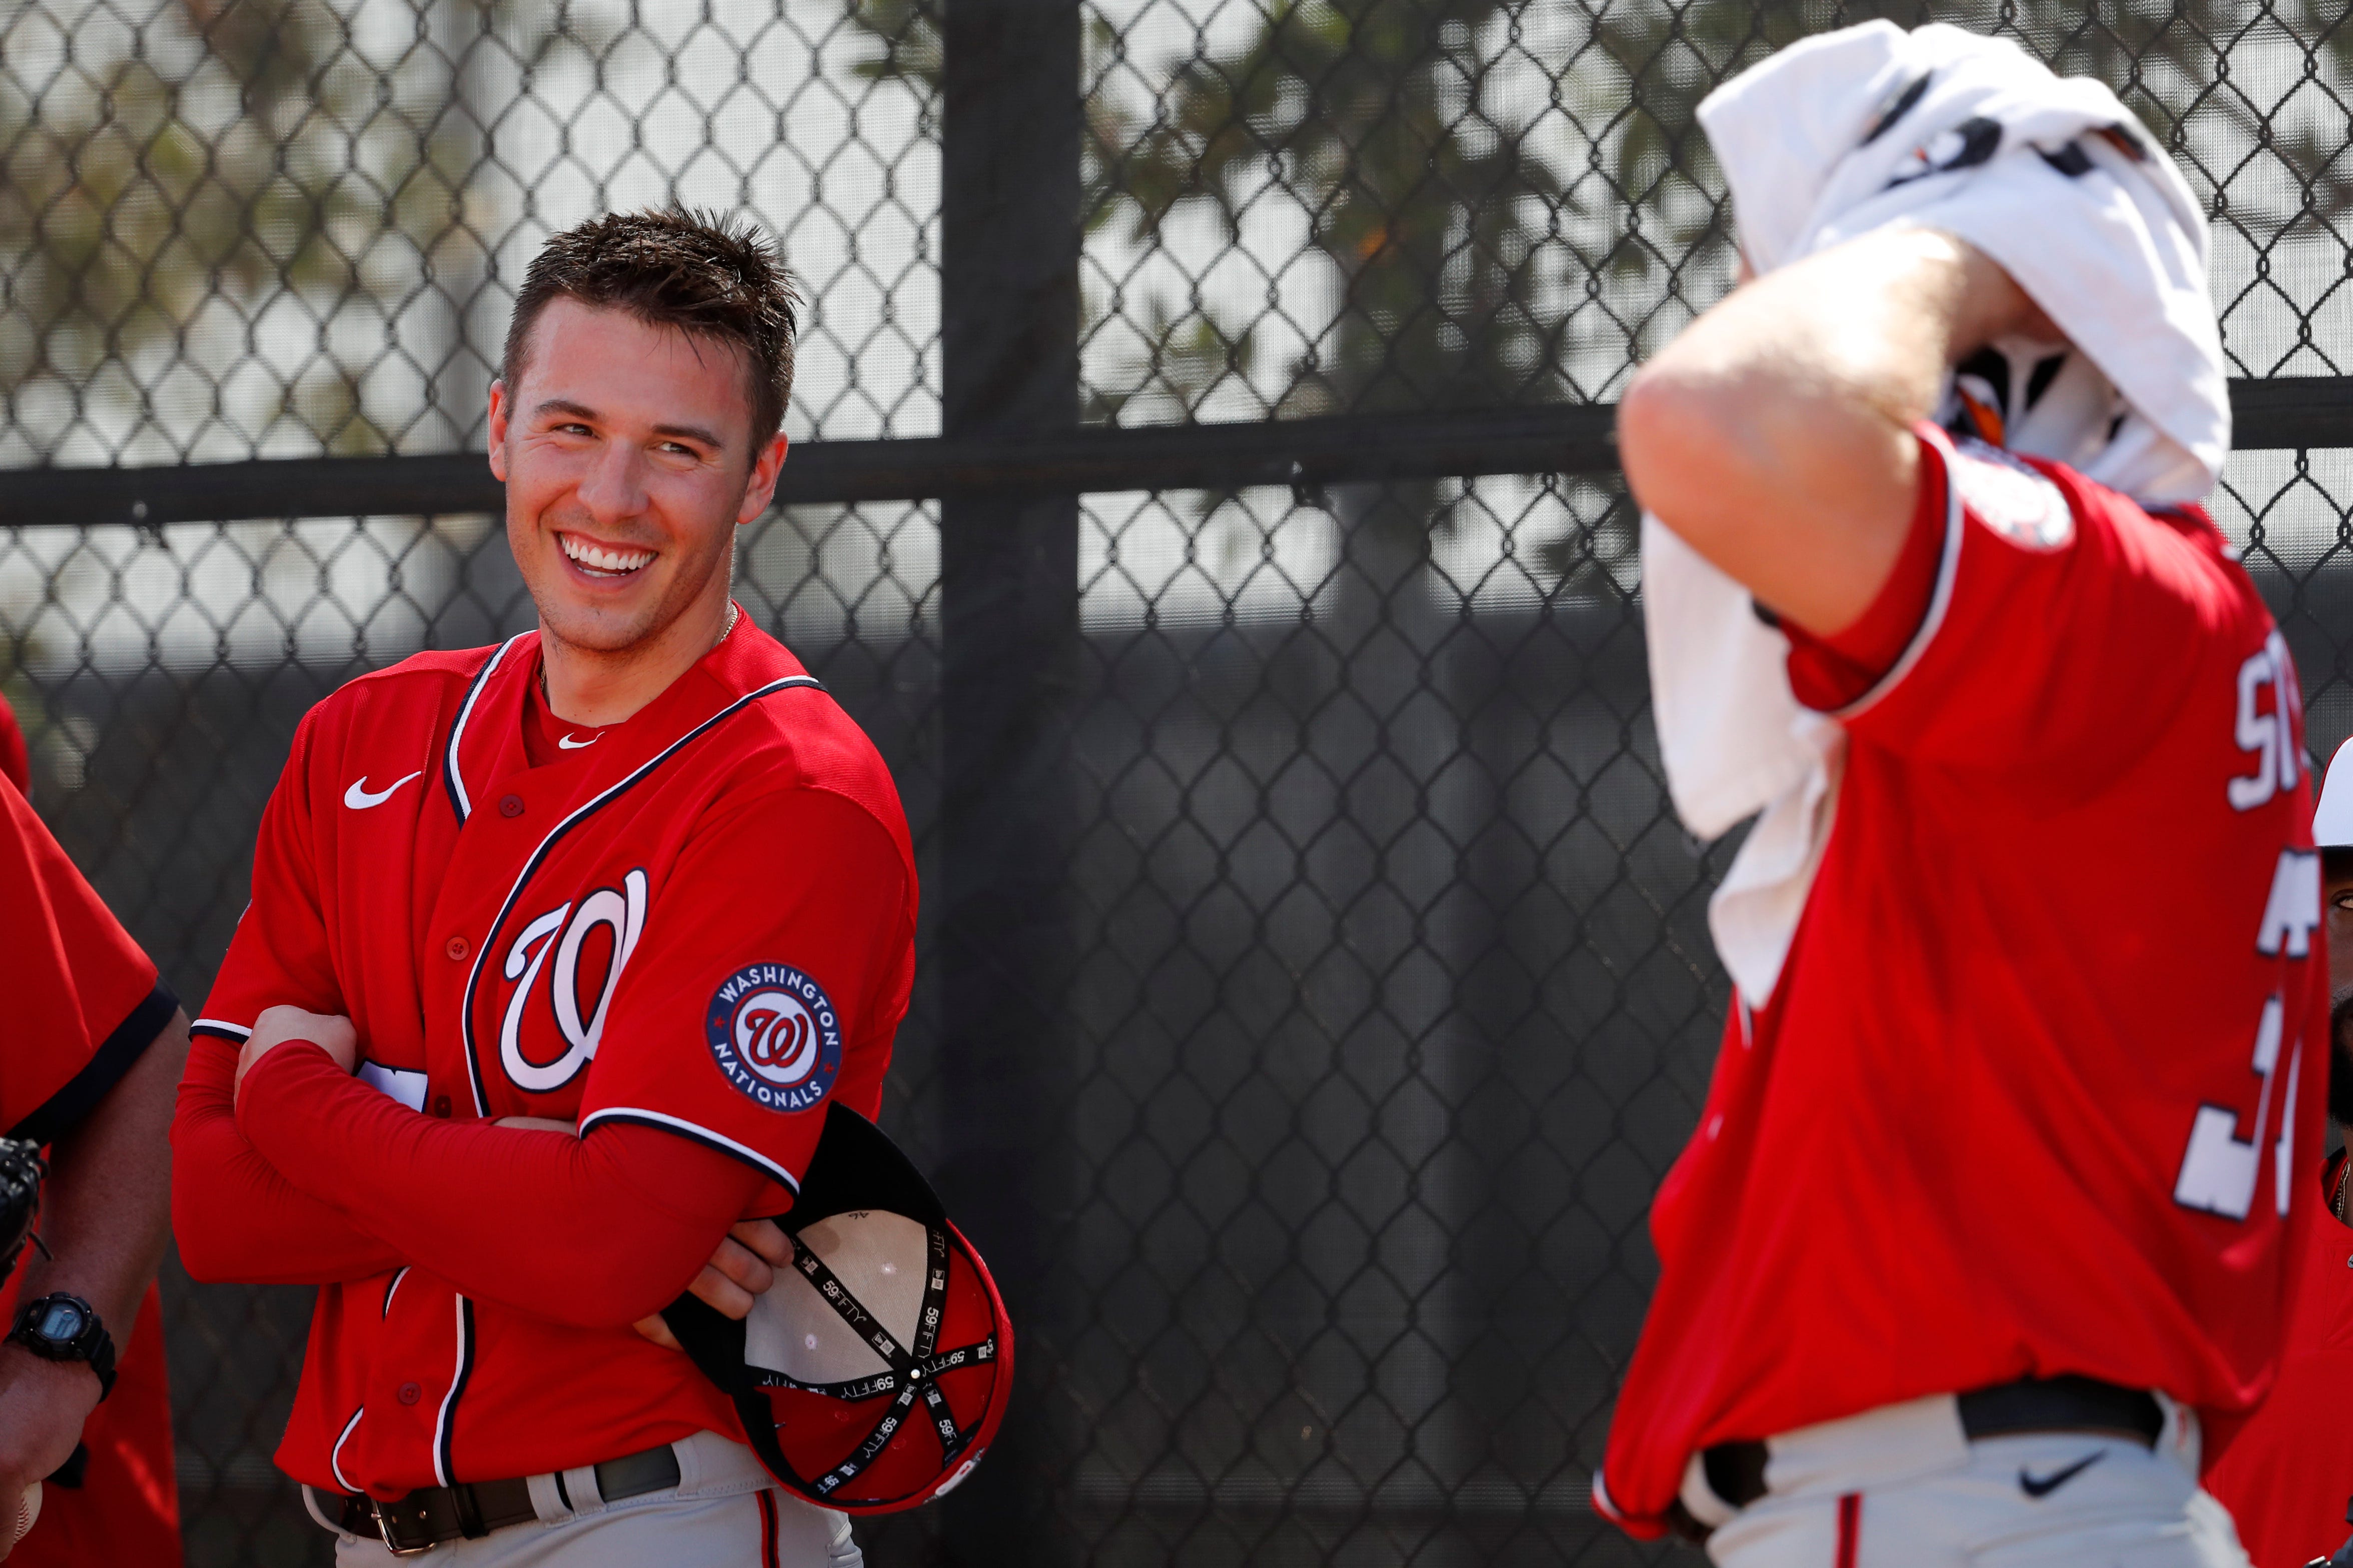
{"points": [[539, 856], [115, 1056], [451, 777], [442, 1427], [633, 1116], [221, 1028], [400, 1275]]}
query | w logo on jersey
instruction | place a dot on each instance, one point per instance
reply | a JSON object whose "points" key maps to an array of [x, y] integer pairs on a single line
{"points": [[548, 1033], [779, 1040]]}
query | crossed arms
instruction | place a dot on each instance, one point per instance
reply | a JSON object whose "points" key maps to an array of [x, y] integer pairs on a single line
{"points": [[292, 1171]]}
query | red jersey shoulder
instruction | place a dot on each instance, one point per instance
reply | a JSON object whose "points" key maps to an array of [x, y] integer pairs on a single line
{"points": [[79, 978], [2037, 504], [421, 682], [397, 702], [2186, 530], [801, 738], [381, 727]]}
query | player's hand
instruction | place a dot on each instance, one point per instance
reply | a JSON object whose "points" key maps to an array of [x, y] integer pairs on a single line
{"points": [[43, 1404], [331, 1032], [743, 1267], [538, 1124]]}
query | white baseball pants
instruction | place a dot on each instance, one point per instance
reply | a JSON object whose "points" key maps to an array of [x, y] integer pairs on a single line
{"points": [[1901, 1486], [726, 1512]]}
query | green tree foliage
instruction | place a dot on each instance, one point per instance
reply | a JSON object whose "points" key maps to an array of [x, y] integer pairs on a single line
{"points": [[159, 166], [1423, 197], [1440, 213], [2172, 62]]}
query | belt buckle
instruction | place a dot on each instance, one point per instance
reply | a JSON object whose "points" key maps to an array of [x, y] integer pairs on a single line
{"points": [[384, 1532]]}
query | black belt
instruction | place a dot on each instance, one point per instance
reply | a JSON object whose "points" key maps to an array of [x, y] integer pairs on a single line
{"points": [[471, 1510], [1736, 1471]]}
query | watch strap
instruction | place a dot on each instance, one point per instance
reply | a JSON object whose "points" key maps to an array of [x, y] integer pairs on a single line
{"points": [[93, 1344], [102, 1358]]}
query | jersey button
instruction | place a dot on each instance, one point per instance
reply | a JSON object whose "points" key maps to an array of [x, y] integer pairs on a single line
{"points": [[441, 1106], [511, 806], [410, 1394], [457, 948]]}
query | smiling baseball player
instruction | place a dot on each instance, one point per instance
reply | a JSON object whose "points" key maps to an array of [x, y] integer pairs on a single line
{"points": [[633, 874]]}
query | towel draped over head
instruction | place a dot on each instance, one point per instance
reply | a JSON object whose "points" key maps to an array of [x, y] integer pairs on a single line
{"points": [[1873, 128]]}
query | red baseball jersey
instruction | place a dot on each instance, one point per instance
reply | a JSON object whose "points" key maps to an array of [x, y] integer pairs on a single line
{"points": [[2287, 1477], [87, 1002], [16, 762], [623, 933], [2024, 1100], [96, 1004]]}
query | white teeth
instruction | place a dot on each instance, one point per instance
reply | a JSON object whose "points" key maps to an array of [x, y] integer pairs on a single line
{"points": [[601, 559]]}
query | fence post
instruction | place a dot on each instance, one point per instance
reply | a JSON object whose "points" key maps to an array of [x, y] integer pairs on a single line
{"points": [[1008, 616]]}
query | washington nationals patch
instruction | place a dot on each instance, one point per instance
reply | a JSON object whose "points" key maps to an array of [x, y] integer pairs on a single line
{"points": [[2014, 499], [775, 1034]]}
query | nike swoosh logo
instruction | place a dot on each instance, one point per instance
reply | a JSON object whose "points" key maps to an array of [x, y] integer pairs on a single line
{"points": [[358, 798], [2044, 1486], [569, 745]]}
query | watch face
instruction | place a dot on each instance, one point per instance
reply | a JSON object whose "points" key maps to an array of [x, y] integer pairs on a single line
{"points": [[62, 1324]]}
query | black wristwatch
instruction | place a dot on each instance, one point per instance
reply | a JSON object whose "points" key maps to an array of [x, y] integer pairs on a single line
{"points": [[66, 1328]]}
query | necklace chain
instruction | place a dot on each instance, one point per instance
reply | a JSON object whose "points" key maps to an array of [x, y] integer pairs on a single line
{"points": [[2337, 1200], [733, 611]]}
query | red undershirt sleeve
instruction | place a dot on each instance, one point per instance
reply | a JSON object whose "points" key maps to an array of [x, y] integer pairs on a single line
{"points": [[237, 1218], [596, 1234]]}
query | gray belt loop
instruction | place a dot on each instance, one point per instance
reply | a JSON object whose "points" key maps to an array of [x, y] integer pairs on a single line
{"points": [[580, 1485], [329, 1517], [548, 1498], [711, 1466], [689, 1454]]}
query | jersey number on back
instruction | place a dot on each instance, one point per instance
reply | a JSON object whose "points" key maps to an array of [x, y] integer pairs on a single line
{"points": [[2218, 1172]]}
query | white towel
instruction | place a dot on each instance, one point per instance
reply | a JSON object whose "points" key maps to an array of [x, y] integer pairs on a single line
{"points": [[1873, 128]]}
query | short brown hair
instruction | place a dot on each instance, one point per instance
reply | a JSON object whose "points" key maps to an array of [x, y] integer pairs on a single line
{"points": [[709, 275]]}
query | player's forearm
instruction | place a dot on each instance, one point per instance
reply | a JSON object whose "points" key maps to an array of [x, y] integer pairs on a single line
{"points": [[236, 1218], [1774, 435], [106, 1210], [576, 1233]]}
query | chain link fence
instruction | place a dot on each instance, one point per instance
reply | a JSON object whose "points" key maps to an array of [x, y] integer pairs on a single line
{"points": [[1314, 984]]}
